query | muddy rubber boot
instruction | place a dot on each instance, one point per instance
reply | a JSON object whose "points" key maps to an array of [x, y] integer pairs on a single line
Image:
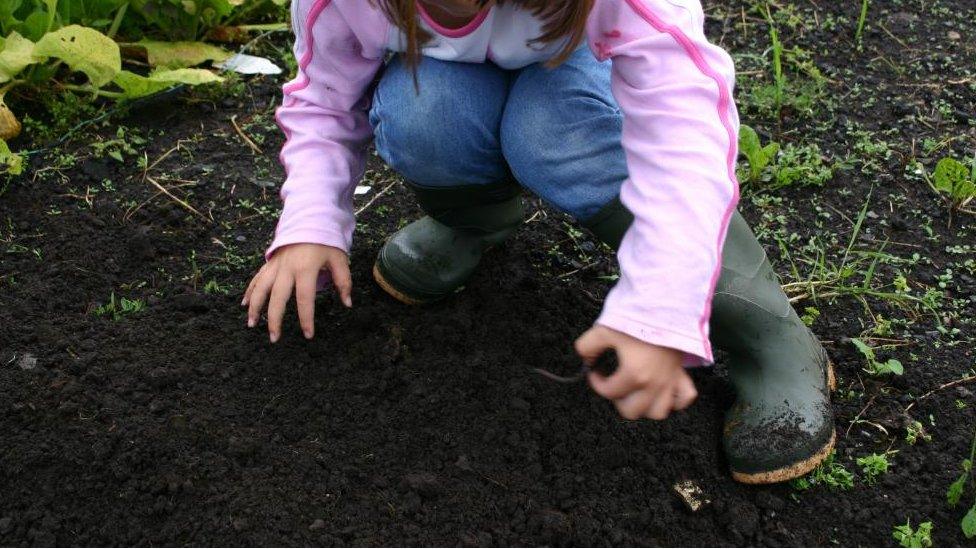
{"points": [[781, 425], [435, 256]]}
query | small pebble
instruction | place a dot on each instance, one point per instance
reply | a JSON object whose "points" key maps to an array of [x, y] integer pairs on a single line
{"points": [[27, 362], [317, 524], [954, 35]]}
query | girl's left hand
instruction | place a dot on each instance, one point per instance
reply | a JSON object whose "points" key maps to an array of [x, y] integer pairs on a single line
{"points": [[650, 380]]}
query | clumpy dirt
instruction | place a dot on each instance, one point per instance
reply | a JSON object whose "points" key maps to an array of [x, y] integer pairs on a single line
{"points": [[175, 425]]}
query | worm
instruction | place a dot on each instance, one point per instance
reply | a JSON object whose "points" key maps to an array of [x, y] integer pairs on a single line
{"points": [[560, 379]]}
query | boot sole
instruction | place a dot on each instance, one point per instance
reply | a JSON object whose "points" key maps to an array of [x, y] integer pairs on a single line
{"points": [[789, 472], [799, 468], [390, 289]]}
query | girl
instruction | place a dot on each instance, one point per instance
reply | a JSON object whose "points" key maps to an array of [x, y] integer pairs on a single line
{"points": [[618, 112]]}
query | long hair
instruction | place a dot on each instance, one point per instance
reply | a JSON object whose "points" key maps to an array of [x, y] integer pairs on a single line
{"points": [[561, 18]]}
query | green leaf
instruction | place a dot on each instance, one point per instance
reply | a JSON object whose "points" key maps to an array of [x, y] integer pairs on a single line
{"points": [[748, 141], [750, 146], [14, 56], [907, 537], [176, 55], [134, 85], [867, 351], [33, 26], [10, 162], [85, 50], [7, 9], [969, 522], [949, 173], [954, 494], [894, 366]]}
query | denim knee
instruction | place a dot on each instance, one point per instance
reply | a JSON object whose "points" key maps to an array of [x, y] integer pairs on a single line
{"points": [[561, 133], [447, 132]]}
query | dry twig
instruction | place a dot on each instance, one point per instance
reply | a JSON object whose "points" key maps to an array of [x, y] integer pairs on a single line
{"points": [[178, 200], [962, 381], [375, 198], [240, 132]]}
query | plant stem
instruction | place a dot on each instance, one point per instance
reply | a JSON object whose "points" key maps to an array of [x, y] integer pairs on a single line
{"points": [[264, 27], [93, 91], [778, 77]]}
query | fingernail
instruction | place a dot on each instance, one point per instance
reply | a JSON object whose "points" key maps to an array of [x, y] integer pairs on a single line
{"points": [[347, 301], [250, 323], [308, 334], [274, 337], [244, 302]]}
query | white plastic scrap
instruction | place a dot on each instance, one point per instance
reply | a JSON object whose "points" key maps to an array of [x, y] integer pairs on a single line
{"points": [[691, 495], [249, 64], [362, 189]]}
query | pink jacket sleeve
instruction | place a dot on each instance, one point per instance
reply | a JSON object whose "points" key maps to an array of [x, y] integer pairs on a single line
{"points": [[680, 139], [323, 116]]}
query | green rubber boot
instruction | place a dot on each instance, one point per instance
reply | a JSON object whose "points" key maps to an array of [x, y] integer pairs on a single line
{"points": [[781, 425], [435, 256]]}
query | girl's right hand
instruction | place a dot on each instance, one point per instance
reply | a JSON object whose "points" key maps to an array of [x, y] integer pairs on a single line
{"points": [[295, 266]]}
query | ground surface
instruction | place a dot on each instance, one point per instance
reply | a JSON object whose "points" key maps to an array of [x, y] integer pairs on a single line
{"points": [[176, 425]]}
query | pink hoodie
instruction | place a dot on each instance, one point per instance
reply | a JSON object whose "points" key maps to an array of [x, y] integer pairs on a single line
{"points": [[679, 135]]}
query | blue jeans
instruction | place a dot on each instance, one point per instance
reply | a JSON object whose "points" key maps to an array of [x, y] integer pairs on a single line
{"points": [[557, 131]]}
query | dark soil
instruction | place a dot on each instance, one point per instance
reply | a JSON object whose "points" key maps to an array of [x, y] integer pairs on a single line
{"points": [[176, 425]]}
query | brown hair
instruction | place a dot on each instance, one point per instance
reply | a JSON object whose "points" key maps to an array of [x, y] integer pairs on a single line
{"points": [[561, 18]]}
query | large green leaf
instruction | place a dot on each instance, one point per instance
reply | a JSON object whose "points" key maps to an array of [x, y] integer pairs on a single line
{"points": [[134, 85], [15, 54], [83, 49], [33, 26], [176, 55], [7, 9]]}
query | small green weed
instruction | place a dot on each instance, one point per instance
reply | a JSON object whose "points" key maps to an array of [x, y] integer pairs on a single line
{"points": [[810, 315], [829, 473], [119, 308], [796, 85], [958, 488], [772, 166], [875, 367], [213, 287], [802, 165], [915, 432], [874, 465], [955, 182], [757, 155], [121, 145], [908, 537]]}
